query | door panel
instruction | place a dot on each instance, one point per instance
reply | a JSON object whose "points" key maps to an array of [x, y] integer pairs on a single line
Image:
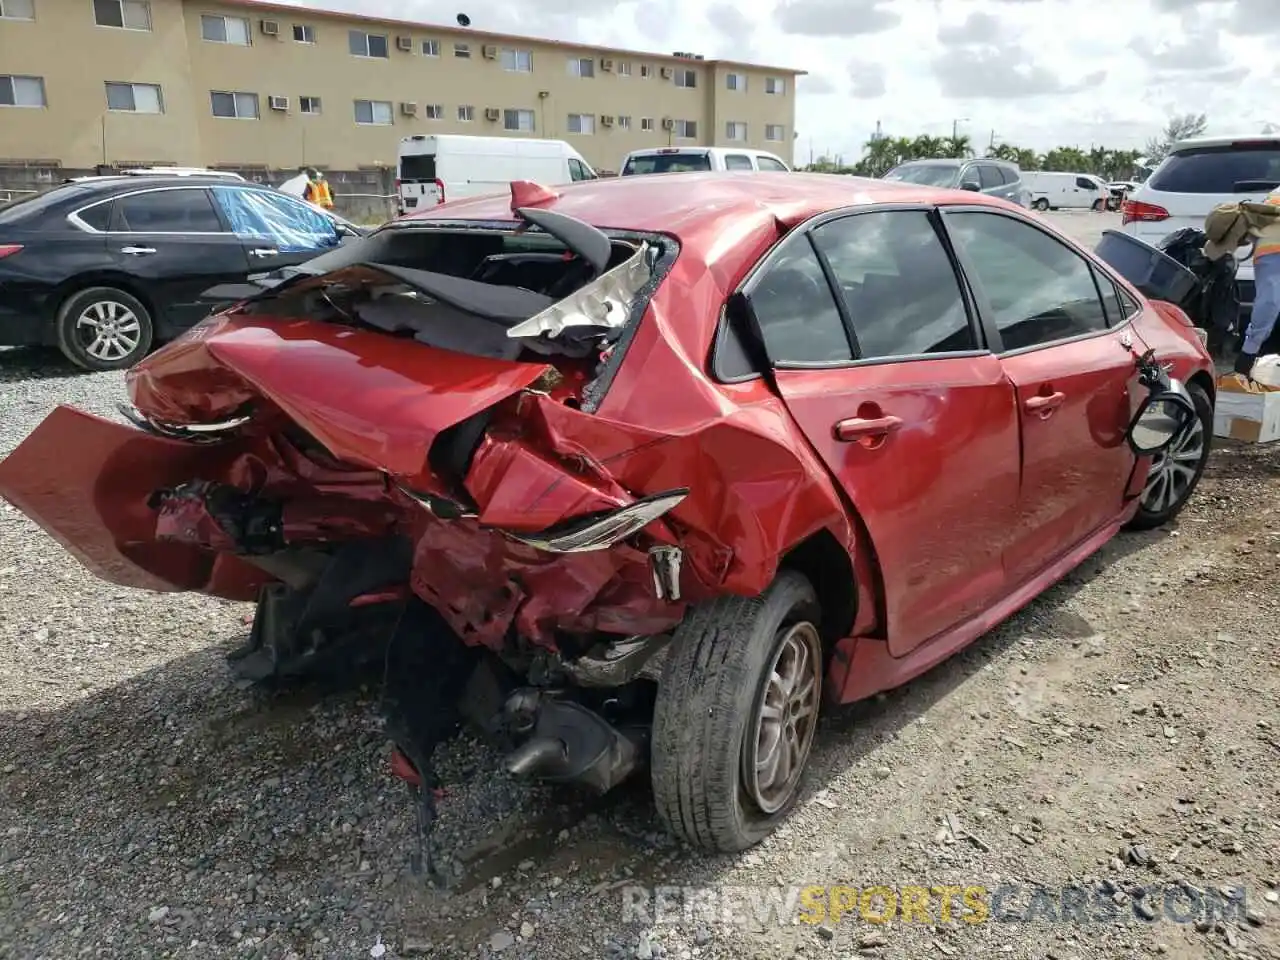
{"points": [[1074, 378], [172, 241], [934, 481], [917, 424]]}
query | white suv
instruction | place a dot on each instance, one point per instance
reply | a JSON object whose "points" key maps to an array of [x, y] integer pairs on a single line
{"points": [[1196, 176]]}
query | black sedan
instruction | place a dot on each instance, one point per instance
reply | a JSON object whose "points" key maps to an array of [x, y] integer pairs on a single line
{"points": [[104, 268]]}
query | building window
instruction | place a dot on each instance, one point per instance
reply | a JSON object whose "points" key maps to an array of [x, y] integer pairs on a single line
{"points": [[687, 129], [735, 81], [431, 48], [686, 78], [584, 123], [624, 68], [22, 92], [304, 33], [373, 112], [624, 123], [517, 61], [126, 14], [225, 30], [521, 120], [462, 50], [466, 114], [775, 85], [134, 97], [773, 132], [646, 124], [646, 71], [309, 105], [735, 130], [434, 111], [17, 9], [362, 44], [582, 67], [234, 106]]}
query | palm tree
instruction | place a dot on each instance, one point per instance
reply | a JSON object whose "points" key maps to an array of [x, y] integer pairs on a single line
{"points": [[959, 146]]}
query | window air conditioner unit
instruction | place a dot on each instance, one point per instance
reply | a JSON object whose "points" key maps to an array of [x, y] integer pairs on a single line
{"points": [[405, 44], [492, 113], [278, 103], [666, 73], [490, 52], [606, 64], [409, 109], [270, 28], [668, 123], [606, 120]]}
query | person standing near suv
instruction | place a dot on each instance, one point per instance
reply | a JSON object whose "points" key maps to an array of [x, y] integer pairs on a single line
{"points": [[1266, 291]]}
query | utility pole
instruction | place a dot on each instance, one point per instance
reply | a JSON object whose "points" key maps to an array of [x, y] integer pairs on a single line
{"points": [[991, 147]]}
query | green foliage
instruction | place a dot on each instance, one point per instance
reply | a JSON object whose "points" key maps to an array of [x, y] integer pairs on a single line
{"points": [[881, 155]]}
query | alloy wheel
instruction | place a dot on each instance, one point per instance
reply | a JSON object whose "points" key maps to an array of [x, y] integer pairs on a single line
{"points": [[781, 733], [108, 330], [1173, 471]]}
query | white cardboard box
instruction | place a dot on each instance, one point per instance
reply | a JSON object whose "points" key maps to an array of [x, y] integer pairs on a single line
{"points": [[1252, 417]]}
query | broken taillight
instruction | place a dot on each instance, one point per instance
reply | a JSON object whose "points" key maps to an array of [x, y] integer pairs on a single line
{"points": [[600, 532]]}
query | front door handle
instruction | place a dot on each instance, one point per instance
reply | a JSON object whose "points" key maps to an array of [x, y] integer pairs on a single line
{"points": [[138, 251], [1045, 403], [265, 252], [860, 428]]}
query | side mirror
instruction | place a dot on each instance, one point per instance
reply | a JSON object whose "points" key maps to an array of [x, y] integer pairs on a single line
{"points": [[1160, 419], [971, 185]]}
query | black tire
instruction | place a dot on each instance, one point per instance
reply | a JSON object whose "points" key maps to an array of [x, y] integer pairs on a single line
{"points": [[1099, 206], [1042, 205], [709, 695], [1149, 519], [76, 345]]}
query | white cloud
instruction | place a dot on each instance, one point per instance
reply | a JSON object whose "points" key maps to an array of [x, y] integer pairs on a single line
{"points": [[1038, 73]]}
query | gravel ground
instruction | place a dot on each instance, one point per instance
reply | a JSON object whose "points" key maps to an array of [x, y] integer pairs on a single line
{"points": [[1123, 729]]}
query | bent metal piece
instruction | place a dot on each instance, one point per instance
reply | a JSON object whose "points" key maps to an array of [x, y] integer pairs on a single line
{"points": [[195, 432]]}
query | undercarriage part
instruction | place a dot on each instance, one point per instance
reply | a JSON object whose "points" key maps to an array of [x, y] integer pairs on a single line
{"points": [[426, 667], [301, 632], [664, 562], [570, 743], [616, 663], [219, 517]]}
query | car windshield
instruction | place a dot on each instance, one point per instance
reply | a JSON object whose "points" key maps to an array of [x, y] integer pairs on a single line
{"points": [[1231, 168], [667, 163], [927, 174]]}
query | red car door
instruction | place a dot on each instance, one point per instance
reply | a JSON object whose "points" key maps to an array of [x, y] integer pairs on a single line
{"points": [[888, 384], [1074, 375]]}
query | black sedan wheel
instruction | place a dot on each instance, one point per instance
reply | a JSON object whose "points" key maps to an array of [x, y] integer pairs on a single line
{"points": [[103, 328], [736, 714]]}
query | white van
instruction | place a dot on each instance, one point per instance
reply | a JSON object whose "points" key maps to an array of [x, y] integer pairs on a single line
{"points": [[684, 159], [433, 169], [1065, 191]]}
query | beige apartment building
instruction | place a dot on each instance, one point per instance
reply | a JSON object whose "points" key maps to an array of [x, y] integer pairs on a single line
{"points": [[247, 84]]}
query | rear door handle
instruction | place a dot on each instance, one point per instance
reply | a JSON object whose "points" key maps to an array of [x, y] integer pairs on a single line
{"points": [[1045, 404], [265, 252], [858, 428], [138, 251]]}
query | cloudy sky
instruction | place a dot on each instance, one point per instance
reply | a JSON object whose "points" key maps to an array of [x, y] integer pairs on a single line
{"points": [[1039, 73]]}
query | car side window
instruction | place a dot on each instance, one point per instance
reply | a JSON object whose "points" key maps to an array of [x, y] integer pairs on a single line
{"points": [[1085, 184], [1040, 290], [98, 217], [577, 171], [1009, 174], [989, 176], [898, 283], [166, 211], [1111, 305], [737, 161], [797, 312], [969, 175], [768, 163], [291, 226]]}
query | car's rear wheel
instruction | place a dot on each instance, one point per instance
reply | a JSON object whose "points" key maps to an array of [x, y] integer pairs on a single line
{"points": [[1042, 205], [1175, 472], [104, 328], [736, 714], [1099, 205]]}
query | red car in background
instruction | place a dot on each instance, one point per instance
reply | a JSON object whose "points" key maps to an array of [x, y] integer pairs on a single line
{"points": [[640, 473]]}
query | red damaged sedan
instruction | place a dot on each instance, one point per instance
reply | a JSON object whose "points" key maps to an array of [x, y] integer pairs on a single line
{"points": [[640, 474]]}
